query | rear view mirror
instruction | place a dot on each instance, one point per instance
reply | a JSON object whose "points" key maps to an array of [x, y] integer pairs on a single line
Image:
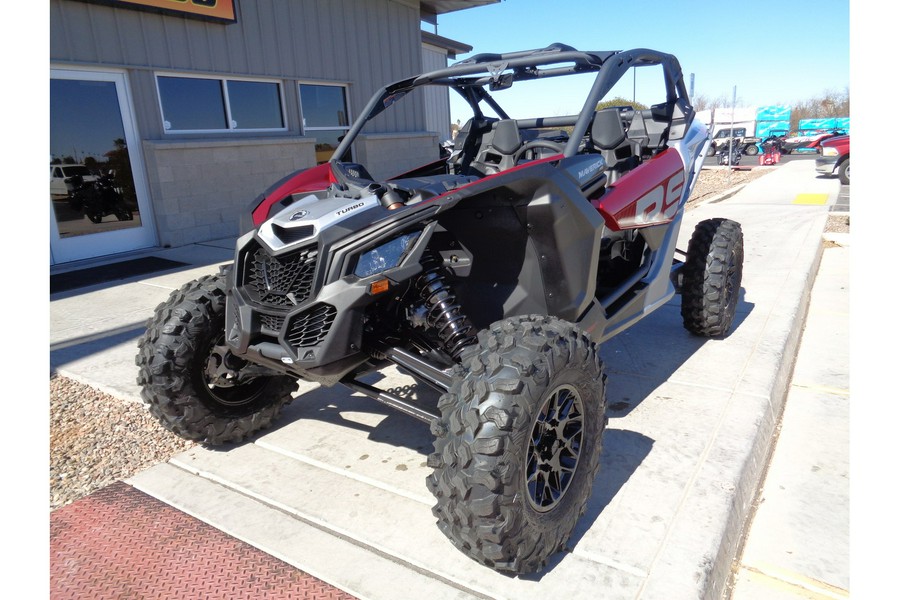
{"points": [[503, 82]]}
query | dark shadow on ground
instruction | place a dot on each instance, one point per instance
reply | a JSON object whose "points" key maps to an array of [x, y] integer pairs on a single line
{"points": [[623, 452], [71, 350], [645, 356], [126, 278], [329, 405]]}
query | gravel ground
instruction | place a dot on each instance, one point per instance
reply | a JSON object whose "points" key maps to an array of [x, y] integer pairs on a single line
{"points": [[97, 439], [715, 181], [838, 224]]}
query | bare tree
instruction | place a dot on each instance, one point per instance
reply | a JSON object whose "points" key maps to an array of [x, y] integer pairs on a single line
{"points": [[704, 102], [830, 103]]}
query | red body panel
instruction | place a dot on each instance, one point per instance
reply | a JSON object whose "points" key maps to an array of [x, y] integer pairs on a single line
{"points": [[648, 195], [815, 143], [841, 142], [309, 180]]}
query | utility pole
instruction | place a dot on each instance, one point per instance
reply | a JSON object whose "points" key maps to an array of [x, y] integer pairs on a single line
{"points": [[731, 137]]}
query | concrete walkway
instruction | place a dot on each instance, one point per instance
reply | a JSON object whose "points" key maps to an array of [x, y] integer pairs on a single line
{"points": [[799, 541], [337, 489]]}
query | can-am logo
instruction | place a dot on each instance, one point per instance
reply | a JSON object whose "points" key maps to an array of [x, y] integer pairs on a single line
{"points": [[350, 208], [299, 215]]}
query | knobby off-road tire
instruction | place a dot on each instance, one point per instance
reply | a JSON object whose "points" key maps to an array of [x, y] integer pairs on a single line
{"points": [[712, 277], [124, 213], [517, 446], [178, 355]]}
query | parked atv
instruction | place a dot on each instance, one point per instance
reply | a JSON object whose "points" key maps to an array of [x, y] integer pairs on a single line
{"points": [[771, 151], [729, 154], [809, 141], [98, 199], [492, 275]]}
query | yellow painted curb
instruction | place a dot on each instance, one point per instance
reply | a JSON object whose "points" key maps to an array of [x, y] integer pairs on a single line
{"points": [[814, 199], [822, 388], [802, 586]]}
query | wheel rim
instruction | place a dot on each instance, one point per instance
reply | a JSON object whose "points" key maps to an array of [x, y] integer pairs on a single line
{"points": [[554, 448], [223, 381]]}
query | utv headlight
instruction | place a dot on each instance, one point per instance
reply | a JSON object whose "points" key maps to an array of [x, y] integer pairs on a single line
{"points": [[829, 151], [386, 256]]}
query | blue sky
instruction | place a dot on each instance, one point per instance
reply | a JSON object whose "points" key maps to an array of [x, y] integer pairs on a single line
{"points": [[774, 52]]}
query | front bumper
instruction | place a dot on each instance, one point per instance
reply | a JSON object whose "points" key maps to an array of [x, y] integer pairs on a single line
{"points": [[826, 164], [281, 315]]}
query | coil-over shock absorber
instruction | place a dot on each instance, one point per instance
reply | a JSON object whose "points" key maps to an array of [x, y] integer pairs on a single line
{"points": [[442, 314]]}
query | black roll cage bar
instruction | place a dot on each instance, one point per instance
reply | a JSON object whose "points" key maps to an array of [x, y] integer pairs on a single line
{"points": [[498, 71]]}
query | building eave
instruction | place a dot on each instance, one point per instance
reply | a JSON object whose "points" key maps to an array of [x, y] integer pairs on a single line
{"points": [[452, 47], [430, 9]]}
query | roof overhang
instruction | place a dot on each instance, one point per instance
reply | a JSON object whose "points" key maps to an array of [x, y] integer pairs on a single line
{"points": [[452, 47], [430, 9]]}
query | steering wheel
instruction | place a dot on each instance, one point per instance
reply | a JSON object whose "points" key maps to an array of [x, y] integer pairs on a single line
{"points": [[531, 145]]}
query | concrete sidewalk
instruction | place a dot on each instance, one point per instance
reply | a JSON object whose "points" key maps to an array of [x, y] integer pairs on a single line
{"points": [[798, 545], [337, 489]]}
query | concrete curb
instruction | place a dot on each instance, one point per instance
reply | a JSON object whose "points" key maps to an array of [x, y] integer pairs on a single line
{"points": [[841, 239], [727, 193], [722, 196], [754, 469]]}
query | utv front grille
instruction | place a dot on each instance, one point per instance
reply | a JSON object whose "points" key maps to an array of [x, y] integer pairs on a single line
{"points": [[271, 322], [282, 281], [310, 327]]}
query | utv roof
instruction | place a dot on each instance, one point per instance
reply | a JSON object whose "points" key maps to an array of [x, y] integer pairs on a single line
{"points": [[487, 68], [469, 78]]}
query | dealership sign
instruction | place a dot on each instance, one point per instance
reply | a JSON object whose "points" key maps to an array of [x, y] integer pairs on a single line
{"points": [[213, 10]]}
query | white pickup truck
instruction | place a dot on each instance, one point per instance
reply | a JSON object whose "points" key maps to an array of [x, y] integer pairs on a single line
{"points": [[60, 175], [747, 143]]}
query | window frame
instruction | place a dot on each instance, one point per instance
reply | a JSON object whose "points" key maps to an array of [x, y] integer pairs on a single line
{"points": [[229, 120], [309, 131], [344, 86]]}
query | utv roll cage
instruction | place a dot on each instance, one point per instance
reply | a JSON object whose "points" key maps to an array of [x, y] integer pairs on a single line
{"points": [[469, 78], [491, 274]]}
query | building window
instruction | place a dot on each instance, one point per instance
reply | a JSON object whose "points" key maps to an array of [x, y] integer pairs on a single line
{"points": [[255, 105], [200, 104], [325, 117]]}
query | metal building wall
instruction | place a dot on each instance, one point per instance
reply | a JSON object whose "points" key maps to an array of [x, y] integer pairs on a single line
{"points": [[365, 43], [200, 183], [437, 101]]}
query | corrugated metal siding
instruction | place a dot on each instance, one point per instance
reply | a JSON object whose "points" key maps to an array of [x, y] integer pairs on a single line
{"points": [[366, 42], [437, 100]]}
